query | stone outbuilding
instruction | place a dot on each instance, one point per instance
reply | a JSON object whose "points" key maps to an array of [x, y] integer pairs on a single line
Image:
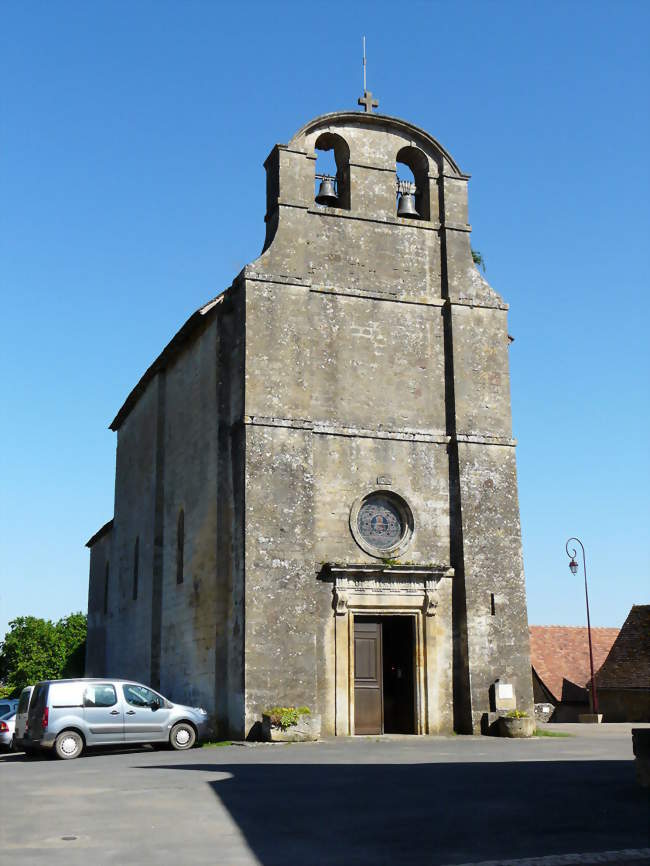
{"points": [[623, 681], [316, 492]]}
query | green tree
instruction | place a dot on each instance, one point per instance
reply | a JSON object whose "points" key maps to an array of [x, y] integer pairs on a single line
{"points": [[72, 642], [38, 649]]}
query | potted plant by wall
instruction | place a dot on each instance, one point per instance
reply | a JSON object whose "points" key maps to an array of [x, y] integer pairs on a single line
{"points": [[290, 725], [516, 723]]}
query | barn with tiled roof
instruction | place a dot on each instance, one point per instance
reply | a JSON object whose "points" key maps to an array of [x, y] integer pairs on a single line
{"points": [[560, 662], [623, 681]]}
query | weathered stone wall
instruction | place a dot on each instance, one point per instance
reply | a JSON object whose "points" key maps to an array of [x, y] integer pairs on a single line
{"points": [[129, 622], [166, 459], [100, 556], [498, 643], [348, 466], [188, 659], [231, 503], [282, 593], [492, 615], [345, 383], [356, 361], [374, 343], [624, 705]]}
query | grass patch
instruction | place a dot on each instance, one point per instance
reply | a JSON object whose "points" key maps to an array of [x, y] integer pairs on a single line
{"points": [[542, 732], [215, 744]]}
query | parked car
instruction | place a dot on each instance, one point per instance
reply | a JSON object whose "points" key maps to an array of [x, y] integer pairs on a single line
{"points": [[70, 715], [21, 716], [8, 705], [7, 727]]}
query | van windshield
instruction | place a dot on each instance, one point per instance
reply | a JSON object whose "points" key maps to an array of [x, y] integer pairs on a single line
{"points": [[23, 703]]}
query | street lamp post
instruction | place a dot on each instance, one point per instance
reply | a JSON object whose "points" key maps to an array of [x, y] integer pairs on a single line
{"points": [[573, 565]]}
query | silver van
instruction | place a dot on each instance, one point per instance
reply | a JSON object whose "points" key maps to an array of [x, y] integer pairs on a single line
{"points": [[21, 716], [70, 715]]}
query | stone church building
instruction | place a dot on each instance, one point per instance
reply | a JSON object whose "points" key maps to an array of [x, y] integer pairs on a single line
{"points": [[316, 492]]}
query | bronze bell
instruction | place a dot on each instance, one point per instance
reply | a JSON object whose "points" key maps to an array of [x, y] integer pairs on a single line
{"points": [[327, 193], [406, 206]]}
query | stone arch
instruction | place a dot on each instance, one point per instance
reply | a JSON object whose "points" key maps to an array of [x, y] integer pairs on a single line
{"points": [[331, 141], [407, 131], [416, 160]]}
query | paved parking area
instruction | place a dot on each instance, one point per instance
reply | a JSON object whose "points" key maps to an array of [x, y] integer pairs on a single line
{"points": [[389, 801]]}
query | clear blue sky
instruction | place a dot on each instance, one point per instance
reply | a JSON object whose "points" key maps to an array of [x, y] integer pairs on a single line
{"points": [[132, 137]]}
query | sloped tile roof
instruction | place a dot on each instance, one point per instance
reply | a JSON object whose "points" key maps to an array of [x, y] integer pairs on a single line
{"points": [[560, 653], [628, 664]]}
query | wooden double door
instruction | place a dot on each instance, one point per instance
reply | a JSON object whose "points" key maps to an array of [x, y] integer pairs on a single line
{"points": [[384, 675]]}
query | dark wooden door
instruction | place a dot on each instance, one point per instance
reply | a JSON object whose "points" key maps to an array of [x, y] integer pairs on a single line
{"points": [[368, 697]]}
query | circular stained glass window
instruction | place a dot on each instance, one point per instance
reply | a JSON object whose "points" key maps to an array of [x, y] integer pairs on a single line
{"points": [[381, 523]]}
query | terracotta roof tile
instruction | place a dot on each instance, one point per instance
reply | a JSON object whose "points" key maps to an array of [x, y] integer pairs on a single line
{"points": [[560, 653], [628, 664]]}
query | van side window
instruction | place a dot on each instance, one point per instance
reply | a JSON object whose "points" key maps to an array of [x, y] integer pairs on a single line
{"points": [[139, 696], [100, 696]]}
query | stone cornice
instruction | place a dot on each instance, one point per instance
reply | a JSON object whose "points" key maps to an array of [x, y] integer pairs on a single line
{"points": [[435, 437], [374, 294], [378, 296], [280, 279], [469, 302], [478, 439], [457, 227], [106, 528], [359, 584], [372, 569]]}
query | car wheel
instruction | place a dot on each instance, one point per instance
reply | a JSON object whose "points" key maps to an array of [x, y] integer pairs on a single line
{"points": [[183, 736], [12, 745], [68, 745]]}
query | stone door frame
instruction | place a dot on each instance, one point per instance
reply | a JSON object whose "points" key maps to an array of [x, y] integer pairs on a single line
{"points": [[377, 590]]}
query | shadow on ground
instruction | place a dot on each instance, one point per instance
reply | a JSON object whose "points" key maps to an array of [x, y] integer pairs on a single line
{"points": [[430, 813], [48, 754]]}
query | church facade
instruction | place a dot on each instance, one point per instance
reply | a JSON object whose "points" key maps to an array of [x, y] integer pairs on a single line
{"points": [[316, 494]]}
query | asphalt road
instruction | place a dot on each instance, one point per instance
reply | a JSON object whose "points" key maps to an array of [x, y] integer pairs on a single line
{"points": [[384, 802]]}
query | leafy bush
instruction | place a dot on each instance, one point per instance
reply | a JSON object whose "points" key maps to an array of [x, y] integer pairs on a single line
{"points": [[517, 714], [478, 260], [286, 717]]}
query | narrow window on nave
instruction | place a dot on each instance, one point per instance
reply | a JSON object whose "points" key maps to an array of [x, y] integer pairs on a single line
{"points": [[106, 576], [136, 567], [180, 545]]}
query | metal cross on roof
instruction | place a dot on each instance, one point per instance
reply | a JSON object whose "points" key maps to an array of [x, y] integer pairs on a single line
{"points": [[368, 102]]}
